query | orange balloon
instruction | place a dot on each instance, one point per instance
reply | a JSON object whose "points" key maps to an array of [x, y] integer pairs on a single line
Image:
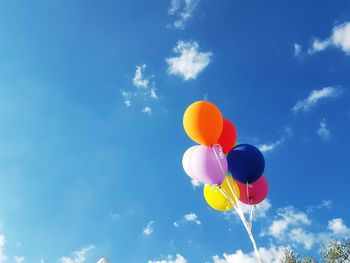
{"points": [[203, 122]]}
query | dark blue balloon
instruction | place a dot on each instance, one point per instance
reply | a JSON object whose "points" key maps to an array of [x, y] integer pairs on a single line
{"points": [[246, 163]]}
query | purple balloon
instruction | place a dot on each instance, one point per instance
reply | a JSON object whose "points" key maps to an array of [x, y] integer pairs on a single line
{"points": [[208, 164], [186, 161]]}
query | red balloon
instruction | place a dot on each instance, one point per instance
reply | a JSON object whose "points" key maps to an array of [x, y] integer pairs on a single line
{"points": [[228, 136], [255, 193]]}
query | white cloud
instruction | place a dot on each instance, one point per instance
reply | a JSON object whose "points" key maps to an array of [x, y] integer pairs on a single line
{"points": [[77, 256], [18, 259], [340, 38], [148, 230], [127, 98], [297, 50], [139, 80], [314, 97], [183, 11], [289, 227], [170, 259], [324, 204], [323, 130], [3, 257], [338, 227], [196, 183], [259, 210], [147, 110], [188, 218], [318, 45], [103, 260], [145, 92], [153, 94], [267, 147], [293, 237], [192, 217], [174, 6], [114, 215], [287, 217], [300, 236], [269, 255], [189, 62]]}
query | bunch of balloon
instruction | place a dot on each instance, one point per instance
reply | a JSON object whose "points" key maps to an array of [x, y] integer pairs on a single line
{"points": [[231, 173]]}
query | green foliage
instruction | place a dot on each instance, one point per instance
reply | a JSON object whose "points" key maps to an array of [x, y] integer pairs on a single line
{"points": [[337, 252], [289, 256], [333, 252], [308, 260]]}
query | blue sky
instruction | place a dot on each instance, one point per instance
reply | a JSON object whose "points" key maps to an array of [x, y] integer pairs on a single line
{"points": [[92, 96]]}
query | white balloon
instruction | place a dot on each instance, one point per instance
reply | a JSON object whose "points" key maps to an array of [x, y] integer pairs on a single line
{"points": [[186, 161]]}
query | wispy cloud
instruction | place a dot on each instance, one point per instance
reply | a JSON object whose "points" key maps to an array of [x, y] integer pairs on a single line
{"points": [[260, 210], [196, 183], [114, 215], [153, 94], [103, 260], [139, 80], [325, 204], [188, 218], [189, 61], [269, 255], [297, 50], [19, 259], [127, 98], [3, 257], [340, 38], [287, 217], [268, 147], [79, 256], [147, 110], [183, 10], [192, 217], [145, 92], [290, 227], [170, 259], [338, 228], [323, 130], [314, 97], [149, 228], [301, 237]]}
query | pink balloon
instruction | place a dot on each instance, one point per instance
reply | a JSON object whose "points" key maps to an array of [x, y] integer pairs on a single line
{"points": [[208, 164], [255, 193], [186, 161]]}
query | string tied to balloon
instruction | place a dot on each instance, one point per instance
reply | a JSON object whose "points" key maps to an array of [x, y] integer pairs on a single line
{"points": [[236, 205], [244, 221]]}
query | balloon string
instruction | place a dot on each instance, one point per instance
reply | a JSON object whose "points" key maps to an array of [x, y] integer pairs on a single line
{"points": [[217, 157], [250, 206], [242, 217], [237, 207], [251, 212]]}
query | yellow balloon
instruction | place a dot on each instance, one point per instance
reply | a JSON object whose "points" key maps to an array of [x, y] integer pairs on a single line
{"points": [[216, 199]]}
